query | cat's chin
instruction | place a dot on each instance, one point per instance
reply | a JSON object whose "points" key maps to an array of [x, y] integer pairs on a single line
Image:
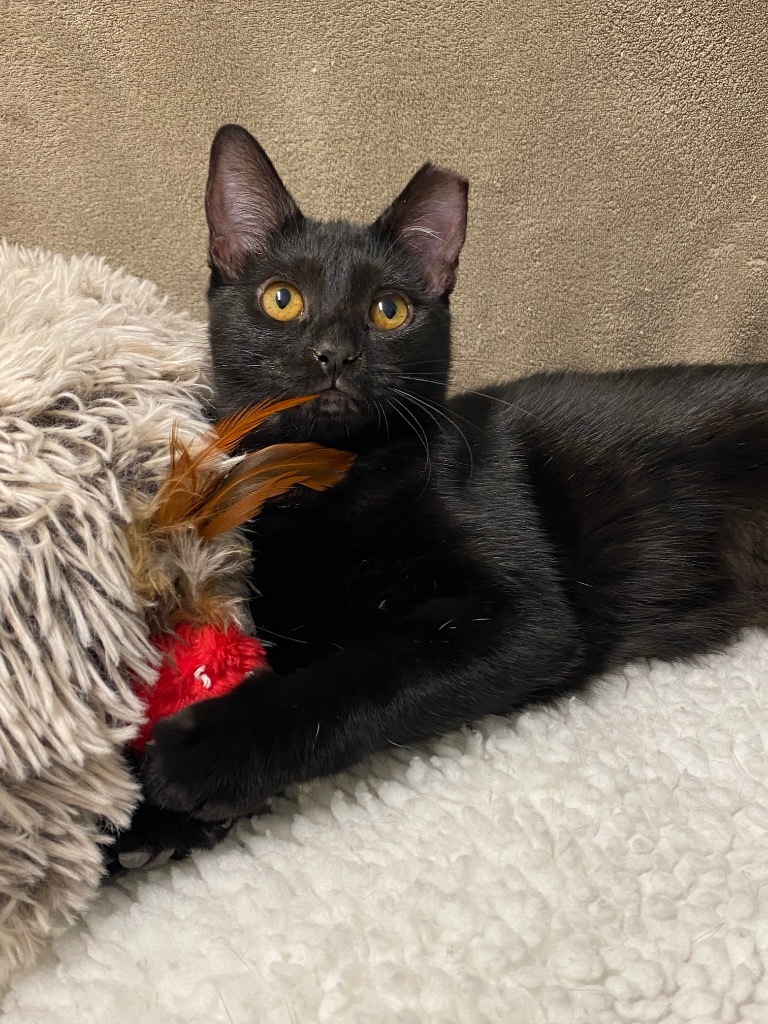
{"points": [[336, 416], [335, 403]]}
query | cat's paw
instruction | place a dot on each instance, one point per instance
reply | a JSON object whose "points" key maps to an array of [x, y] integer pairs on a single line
{"points": [[156, 836], [201, 763]]}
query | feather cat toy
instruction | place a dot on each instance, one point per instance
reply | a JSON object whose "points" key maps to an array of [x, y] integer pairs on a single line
{"points": [[201, 646]]}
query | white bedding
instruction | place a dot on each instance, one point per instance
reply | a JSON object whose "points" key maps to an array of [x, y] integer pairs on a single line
{"points": [[600, 862]]}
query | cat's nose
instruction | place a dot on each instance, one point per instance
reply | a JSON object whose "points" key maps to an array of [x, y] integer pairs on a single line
{"points": [[334, 357]]}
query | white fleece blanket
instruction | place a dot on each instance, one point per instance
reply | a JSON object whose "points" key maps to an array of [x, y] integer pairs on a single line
{"points": [[604, 862]]}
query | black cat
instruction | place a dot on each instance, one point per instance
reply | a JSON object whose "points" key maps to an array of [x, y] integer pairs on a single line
{"points": [[487, 550]]}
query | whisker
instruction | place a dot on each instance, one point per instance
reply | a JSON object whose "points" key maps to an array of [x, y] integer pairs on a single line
{"points": [[430, 409], [429, 362], [411, 398], [413, 422], [379, 405], [480, 394], [452, 415], [378, 415]]}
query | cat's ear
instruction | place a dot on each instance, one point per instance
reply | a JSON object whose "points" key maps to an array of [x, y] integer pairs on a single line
{"points": [[429, 218], [245, 200]]}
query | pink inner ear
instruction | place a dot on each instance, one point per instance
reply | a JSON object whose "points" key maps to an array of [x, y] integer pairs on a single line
{"points": [[438, 239], [429, 217], [236, 226], [246, 202]]}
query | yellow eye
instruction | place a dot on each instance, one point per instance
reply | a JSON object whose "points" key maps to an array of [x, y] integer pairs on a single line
{"points": [[389, 311], [282, 301]]}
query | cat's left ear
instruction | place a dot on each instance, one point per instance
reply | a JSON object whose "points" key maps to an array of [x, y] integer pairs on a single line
{"points": [[246, 203], [429, 218]]}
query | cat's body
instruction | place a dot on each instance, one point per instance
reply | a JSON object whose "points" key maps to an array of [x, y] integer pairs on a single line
{"points": [[497, 548], [625, 514]]}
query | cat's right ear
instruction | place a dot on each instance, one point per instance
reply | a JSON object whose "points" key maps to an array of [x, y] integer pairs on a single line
{"points": [[245, 200], [429, 218]]}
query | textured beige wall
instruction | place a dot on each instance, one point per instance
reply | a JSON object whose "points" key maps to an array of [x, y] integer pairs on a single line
{"points": [[617, 151]]}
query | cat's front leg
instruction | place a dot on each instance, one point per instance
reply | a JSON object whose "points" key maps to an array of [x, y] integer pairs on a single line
{"points": [[156, 835], [222, 758]]}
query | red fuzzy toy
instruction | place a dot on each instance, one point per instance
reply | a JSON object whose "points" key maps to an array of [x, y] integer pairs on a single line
{"points": [[198, 662], [204, 654]]}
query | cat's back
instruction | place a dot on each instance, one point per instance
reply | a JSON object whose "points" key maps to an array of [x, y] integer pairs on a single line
{"points": [[661, 404], [652, 487], [614, 437]]}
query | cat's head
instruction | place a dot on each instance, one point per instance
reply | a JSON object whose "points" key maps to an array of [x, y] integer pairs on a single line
{"points": [[357, 313]]}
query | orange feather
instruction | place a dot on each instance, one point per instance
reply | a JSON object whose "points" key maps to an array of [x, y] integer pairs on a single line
{"points": [[188, 482], [264, 475], [201, 492]]}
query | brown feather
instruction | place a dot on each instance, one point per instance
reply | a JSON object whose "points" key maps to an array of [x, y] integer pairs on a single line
{"points": [[203, 491], [189, 483], [231, 430], [266, 474], [205, 494]]}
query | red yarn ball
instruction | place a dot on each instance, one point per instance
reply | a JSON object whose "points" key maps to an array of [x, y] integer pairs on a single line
{"points": [[199, 662]]}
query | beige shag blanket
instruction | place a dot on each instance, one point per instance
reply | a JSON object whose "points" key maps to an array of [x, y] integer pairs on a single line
{"points": [[94, 370]]}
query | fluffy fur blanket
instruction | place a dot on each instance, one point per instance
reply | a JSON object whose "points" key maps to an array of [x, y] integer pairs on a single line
{"points": [[94, 370]]}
